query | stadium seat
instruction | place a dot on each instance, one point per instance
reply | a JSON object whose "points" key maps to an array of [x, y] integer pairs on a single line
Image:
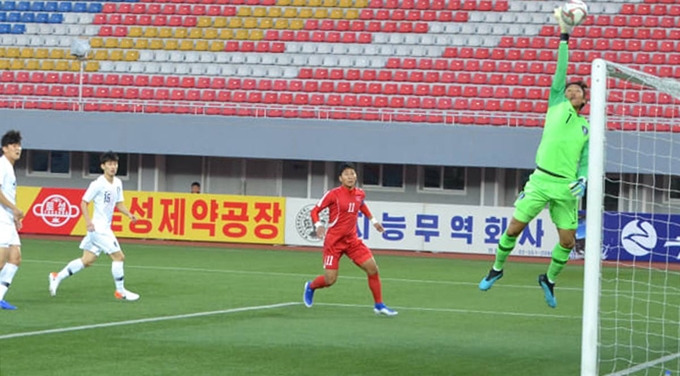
{"points": [[361, 56]]}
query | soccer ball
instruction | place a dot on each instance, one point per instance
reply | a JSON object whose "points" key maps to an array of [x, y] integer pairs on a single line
{"points": [[574, 12]]}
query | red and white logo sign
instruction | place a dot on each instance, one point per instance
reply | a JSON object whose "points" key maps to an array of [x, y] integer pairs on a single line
{"points": [[56, 210]]}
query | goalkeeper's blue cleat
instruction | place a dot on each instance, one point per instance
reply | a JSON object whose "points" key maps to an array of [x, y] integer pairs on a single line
{"points": [[490, 279], [308, 295], [382, 309], [7, 306], [548, 290]]}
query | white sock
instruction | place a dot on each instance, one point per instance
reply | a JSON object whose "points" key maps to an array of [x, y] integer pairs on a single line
{"points": [[118, 275], [6, 275], [70, 269]]}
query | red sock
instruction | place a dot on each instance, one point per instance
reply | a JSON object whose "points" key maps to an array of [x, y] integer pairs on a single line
{"points": [[318, 283], [376, 288]]}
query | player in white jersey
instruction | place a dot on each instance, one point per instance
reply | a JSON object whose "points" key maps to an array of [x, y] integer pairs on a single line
{"points": [[107, 194], [10, 215]]}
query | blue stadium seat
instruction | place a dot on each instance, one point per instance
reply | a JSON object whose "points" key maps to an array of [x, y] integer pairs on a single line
{"points": [[42, 18], [18, 29], [95, 8], [8, 5], [65, 6], [80, 7], [23, 6], [56, 18], [28, 17], [5, 28], [14, 17], [37, 6], [51, 6], [3, 17]]}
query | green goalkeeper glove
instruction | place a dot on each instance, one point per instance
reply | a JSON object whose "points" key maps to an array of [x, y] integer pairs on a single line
{"points": [[564, 28]]}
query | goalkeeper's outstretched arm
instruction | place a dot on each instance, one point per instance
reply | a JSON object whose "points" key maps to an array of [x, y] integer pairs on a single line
{"points": [[560, 78]]}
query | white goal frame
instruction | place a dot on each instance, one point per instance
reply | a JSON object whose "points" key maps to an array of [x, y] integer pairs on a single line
{"points": [[600, 73]]}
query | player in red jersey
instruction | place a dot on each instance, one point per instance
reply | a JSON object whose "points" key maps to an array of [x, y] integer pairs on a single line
{"points": [[344, 204]]}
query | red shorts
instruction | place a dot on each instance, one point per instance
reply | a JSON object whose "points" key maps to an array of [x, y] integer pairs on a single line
{"points": [[355, 249]]}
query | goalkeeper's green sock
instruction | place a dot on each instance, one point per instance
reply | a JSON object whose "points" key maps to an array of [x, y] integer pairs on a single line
{"points": [[505, 246], [560, 256]]}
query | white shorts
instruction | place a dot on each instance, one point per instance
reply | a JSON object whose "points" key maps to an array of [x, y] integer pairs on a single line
{"points": [[8, 235], [100, 241]]}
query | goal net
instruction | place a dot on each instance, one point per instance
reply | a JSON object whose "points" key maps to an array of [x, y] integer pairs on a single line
{"points": [[631, 313]]}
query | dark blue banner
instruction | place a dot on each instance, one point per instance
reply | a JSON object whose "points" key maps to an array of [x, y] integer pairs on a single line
{"points": [[641, 237]]}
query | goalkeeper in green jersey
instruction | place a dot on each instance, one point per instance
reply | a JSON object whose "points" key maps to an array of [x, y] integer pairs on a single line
{"points": [[560, 176]]}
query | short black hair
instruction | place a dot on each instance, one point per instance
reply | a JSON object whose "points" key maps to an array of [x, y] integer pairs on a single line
{"points": [[11, 137], [196, 184], [345, 165], [582, 84], [108, 156]]}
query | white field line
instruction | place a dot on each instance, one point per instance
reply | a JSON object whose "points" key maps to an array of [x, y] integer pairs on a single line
{"points": [[299, 275], [146, 320], [454, 310], [645, 365], [502, 285]]}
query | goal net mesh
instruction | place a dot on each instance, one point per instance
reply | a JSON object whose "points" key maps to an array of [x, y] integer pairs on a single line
{"points": [[639, 312]]}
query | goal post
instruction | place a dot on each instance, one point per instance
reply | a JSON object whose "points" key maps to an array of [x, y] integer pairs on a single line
{"points": [[593, 260], [631, 296]]}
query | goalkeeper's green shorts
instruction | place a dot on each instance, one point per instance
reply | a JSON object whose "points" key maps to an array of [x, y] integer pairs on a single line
{"points": [[542, 189]]}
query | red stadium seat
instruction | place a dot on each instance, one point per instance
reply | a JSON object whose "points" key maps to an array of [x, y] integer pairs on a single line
{"points": [[343, 87], [327, 87], [448, 77], [438, 90], [528, 80], [444, 104], [504, 66], [294, 85], [422, 90], [417, 76], [248, 84], [369, 75], [406, 89], [425, 64], [310, 86], [486, 92], [635, 21], [461, 104], [280, 85], [501, 92], [488, 66], [463, 78], [353, 74], [270, 98], [471, 91], [361, 88], [409, 63], [385, 75], [541, 107], [445, 16], [301, 99], [218, 83], [315, 99]]}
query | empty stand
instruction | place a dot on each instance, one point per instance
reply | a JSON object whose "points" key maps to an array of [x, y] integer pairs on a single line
{"points": [[381, 60]]}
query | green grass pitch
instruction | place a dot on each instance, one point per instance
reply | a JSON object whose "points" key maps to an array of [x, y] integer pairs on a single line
{"points": [[191, 296]]}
